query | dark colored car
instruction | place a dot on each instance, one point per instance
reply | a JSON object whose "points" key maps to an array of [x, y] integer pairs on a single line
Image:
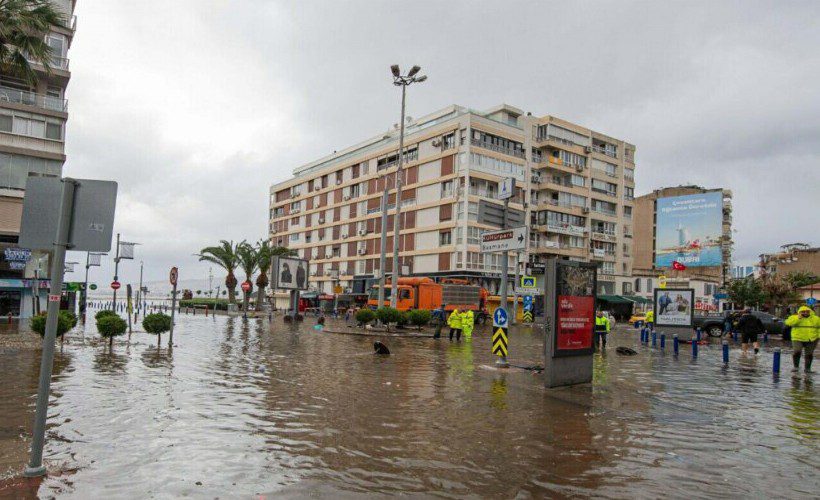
{"points": [[713, 325]]}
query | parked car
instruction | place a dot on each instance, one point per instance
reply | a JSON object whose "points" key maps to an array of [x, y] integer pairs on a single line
{"points": [[713, 324], [638, 319]]}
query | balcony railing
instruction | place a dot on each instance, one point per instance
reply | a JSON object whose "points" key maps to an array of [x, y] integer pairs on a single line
{"points": [[603, 150], [498, 149], [604, 211], [32, 99]]}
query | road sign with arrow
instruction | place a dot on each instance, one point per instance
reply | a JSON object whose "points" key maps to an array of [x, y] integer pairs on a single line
{"points": [[504, 240]]}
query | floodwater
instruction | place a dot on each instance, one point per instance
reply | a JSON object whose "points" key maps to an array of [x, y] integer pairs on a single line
{"points": [[239, 408]]}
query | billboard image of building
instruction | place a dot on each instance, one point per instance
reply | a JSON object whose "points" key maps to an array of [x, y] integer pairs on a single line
{"points": [[688, 229]]}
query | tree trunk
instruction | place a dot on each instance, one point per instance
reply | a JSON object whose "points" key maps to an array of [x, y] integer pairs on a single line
{"points": [[245, 301], [260, 297], [111, 342], [232, 295]]}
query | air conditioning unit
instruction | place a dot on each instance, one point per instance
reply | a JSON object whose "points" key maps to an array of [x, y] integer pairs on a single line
{"points": [[317, 188], [362, 251], [436, 143], [587, 149], [328, 255], [338, 182], [321, 220], [362, 232], [585, 210], [313, 273], [344, 236], [294, 194], [273, 231], [579, 168], [294, 211], [346, 197]]}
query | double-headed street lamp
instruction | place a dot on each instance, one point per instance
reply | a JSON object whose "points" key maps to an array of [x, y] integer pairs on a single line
{"points": [[403, 82]]}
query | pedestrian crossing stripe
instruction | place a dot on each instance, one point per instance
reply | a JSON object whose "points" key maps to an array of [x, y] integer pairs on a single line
{"points": [[527, 317], [500, 342]]}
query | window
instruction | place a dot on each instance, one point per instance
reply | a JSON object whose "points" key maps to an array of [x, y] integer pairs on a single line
{"points": [[495, 166], [448, 141], [603, 207], [354, 191], [628, 212], [609, 168], [637, 285], [445, 238], [296, 205], [569, 200], [294, 237], [472, 211], [497, 143], [568, 158], [561, 134], [5, 123], [54, 131], [578, 180], [649, 284], [15, 169], [629, 193], [446, 189], [308, 237], [603, 227], [626, 288], [604, 187], [629, 173]]}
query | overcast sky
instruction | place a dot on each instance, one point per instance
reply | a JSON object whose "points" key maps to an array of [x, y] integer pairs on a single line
{"points": [[195, 107]]}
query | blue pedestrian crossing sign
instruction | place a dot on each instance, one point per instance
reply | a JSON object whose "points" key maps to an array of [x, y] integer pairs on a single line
{"points": [[500, 317], [527, 302], [528, 282], [811, 301]]}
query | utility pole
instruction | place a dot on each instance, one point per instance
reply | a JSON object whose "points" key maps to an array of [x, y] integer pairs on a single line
{"points": [[383, 252], [116, 271], [139, 292], [516, 284], [403, 82]]}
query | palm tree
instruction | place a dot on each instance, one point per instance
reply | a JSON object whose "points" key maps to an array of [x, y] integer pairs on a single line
{"points": [[225, 256], [266, 255], [23, 28], [248, 259]]}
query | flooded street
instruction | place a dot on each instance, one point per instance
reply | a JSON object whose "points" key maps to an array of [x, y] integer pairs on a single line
{"points": [[238, 409]]}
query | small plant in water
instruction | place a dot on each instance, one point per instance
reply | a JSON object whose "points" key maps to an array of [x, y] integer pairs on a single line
{"points": [[365, 316], [65, 322], [110, 326], [157, 324]]}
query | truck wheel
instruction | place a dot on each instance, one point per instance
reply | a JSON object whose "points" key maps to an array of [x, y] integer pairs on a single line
{"points": [[715, 331]]}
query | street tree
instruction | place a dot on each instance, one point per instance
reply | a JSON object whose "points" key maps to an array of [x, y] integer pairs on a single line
{"points": [[224, 256], [247, 257], [24, 25]]}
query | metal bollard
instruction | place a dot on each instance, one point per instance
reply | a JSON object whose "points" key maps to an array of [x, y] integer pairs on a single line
{"points": [[765, 336], [675, 343], [694, 347], [776, 362], [663, 341], [726, 351], [654, 339]]}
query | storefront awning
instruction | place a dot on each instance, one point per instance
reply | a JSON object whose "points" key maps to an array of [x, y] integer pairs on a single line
{"points": [[614, 299], [638, 300]]}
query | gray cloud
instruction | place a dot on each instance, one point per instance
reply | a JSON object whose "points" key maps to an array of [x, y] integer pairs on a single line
{"points": [[196, 107]]}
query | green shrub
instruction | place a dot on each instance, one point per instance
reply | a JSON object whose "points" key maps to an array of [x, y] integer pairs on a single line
{"points": [[64, 323], [213, 304], [404, 318], [387, 315], [71, 316], [104, 313], [419, 317], [157, 323], [111, 326], [365, 316]]}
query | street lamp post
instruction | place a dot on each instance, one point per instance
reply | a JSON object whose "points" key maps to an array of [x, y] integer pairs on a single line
{"points": [[139, 292], [117, 258], [89, 262], [403, 82]]}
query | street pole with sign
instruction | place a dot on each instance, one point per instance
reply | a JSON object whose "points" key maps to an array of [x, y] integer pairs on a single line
{"points": [[173, 278], [59, 214], [505, 193], [116, 271], [128, 307]]}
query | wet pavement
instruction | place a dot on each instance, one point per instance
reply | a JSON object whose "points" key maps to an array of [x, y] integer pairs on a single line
{"points": [[239, 408]]}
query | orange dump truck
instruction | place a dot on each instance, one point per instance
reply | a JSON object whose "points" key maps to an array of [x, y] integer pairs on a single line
{"points": [[424, 293]]}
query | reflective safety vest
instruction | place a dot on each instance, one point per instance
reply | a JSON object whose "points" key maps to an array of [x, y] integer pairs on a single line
{"points": [[602, 324], [454, 321], [650, 317]]}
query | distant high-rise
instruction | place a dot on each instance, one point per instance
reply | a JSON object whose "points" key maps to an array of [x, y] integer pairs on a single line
{"points": [[32, 143]]}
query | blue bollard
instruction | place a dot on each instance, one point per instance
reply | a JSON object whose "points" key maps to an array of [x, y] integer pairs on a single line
{"points": [[734, 336], [726, 351], [654, 339], [694, 347], [675, 343], [776, 362], [698, 333], [663, 341]]}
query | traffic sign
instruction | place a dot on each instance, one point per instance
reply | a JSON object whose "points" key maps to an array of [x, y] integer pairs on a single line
{"points": [[92, 286], [528, 282], [811, 301], [504, 240], [500, 317], [338, 289], [527, 302], [500, 341], [173, 276], [246, 286], [506, 188], [115, 285], [662, 281], [527, 317], [721, 296]]}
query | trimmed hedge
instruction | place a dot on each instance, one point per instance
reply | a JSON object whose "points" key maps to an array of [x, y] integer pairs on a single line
{"points": [[387, 315], [104, 313], [65, 322], [111, 326], [156, 324], [365, 316], [213, 304], [419, 317]]}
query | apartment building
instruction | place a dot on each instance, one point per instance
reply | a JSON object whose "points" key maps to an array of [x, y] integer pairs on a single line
{"points": [[791, 258], [574, 185], [32, 138]]}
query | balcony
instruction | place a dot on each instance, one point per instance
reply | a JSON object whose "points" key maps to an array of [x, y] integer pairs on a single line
{"points": [[35, 143], [604, 211], [601, 254], [605, 151], [568, 229], [498, 149], [31, 99], [603, 236]]}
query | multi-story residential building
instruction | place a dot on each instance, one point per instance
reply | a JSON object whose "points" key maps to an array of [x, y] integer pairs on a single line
{"points": [[32, 136], [792, 258], [574, 185], [705, 280]]}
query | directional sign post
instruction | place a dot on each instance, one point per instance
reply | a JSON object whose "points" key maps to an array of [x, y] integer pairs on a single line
{"points": [[173, 277], [504, 240]]}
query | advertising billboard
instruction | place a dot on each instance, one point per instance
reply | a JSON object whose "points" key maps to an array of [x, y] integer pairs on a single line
{"points": [[689, 230], [289, 273], [674, 307], [574, 308]]}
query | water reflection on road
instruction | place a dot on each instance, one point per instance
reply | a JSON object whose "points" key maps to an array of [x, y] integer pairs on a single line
{"points": [[238, 408]]}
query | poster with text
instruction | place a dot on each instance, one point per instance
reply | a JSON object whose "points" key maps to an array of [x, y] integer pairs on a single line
{"points": [[674, 307], [689, 230], [574, 322]]}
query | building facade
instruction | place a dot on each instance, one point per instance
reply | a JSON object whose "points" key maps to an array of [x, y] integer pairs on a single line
{"points": [[791, 258], [574, 186], [707, 281], [32, 143]]}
